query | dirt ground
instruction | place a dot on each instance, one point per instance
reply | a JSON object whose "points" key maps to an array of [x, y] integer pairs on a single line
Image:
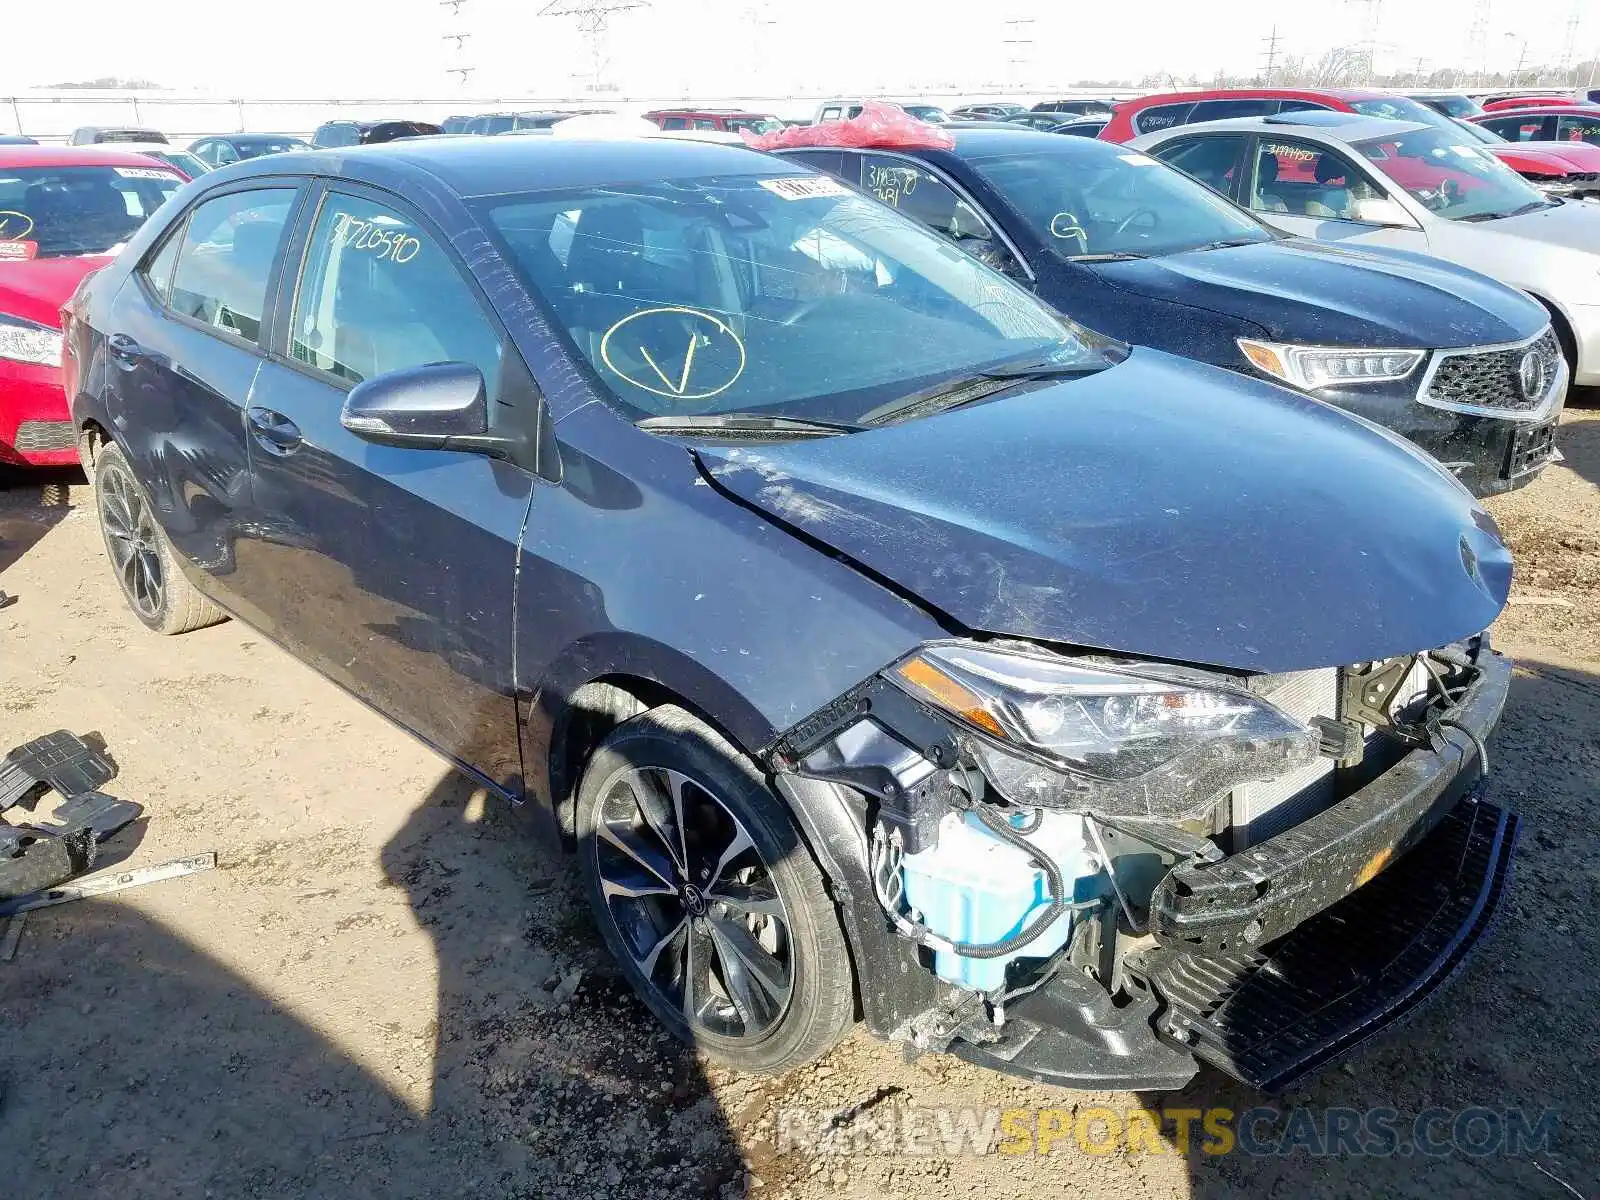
{"points": [[383, 992]]}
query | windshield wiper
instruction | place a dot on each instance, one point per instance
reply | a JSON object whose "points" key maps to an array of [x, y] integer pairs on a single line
{"points": [[975, 386], [1225, 243], [1536, 206], [1107, 256], [745, 422]]}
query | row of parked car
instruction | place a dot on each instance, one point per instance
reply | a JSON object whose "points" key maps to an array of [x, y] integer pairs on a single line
{"points": [[1349, 310], [991, 581]]}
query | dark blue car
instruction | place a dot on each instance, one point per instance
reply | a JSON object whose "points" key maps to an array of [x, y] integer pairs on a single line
{"points": [[1114, 239], [878, 639]]}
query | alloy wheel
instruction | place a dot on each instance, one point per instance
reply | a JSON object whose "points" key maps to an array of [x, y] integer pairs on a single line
{"points": [[694, 902], [132, 541]]}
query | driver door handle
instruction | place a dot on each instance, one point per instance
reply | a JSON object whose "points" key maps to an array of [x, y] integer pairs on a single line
{"points": [[273, 431]]}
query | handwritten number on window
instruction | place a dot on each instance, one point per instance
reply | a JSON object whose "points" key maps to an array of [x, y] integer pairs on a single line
{"points": [[383, 244]]}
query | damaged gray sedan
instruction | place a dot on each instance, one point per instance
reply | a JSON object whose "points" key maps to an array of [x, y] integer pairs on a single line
{"points": [[882, 644]]}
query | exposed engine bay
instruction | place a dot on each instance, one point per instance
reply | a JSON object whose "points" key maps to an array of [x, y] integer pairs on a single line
{"points": [[1086, 826]]}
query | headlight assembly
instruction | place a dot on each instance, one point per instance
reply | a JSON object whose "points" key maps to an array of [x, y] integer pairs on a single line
{"points": [[1138, 741], [28, 342], [1311, 367]]}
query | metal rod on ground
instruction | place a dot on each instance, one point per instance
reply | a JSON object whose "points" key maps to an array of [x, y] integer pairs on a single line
{"points": [[107, 882]]}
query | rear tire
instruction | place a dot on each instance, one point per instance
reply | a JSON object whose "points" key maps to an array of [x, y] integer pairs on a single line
{"points": [[708, 898], [142, 559]]}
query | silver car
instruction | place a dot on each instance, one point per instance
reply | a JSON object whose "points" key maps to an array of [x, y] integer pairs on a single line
{"points": [[1342, 177]]}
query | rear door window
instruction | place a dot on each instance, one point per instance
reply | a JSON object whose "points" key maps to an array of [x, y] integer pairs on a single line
{"points": [[225, 265], [1289, 106], [1162, 116], [1519, 129], [924, 197], [1212, 159], [378, 293], [675, 123], [830, 161], [1226, 110], [1578, 129]]}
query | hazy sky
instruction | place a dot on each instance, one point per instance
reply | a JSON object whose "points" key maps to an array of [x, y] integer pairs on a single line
{"points": [[398, 48]]}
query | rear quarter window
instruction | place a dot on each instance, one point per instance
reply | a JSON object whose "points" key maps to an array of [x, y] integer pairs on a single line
{"points": [[1162, 116]]}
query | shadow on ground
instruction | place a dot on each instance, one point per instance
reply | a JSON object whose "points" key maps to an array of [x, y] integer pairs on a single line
{"points": [[1579, 443], [530, 1096]]}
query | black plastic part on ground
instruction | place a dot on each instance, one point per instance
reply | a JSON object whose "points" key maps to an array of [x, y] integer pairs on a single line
{"points": [[1272, 1015], [53, 848], [62, 761]]}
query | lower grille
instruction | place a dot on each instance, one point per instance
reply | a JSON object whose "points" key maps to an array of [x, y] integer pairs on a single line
{"points": [[1531, 449], [1270, 1016], [45, 435], [1493, 379]]}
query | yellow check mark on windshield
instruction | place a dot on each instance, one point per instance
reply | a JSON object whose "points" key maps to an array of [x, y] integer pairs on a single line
{"points": [[682, 385]]}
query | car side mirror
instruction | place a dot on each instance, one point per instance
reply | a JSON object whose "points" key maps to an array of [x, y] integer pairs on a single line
{"points": [[437, 406], [1381, 210]]}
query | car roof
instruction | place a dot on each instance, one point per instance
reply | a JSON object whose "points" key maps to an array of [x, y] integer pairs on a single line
{"points": [[73, 156], [1545, 110], [255, 137], [1343, 127], [1262, 93], [710, 112], [472, 167]]}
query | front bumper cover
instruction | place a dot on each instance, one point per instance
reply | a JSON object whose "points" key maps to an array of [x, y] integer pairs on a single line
{"points": [[1272, 962], [1261, 893]]}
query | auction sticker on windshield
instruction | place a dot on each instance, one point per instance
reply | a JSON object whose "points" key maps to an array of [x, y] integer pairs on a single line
{"points": [[144, 173], [17, 250], [804, 187]]}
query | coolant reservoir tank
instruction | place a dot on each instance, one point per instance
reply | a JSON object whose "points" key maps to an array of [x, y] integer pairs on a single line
{"points": [[975, 887]]}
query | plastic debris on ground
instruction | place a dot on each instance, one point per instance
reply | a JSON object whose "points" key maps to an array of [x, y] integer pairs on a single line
{"points": [[51, 848], [879, 126]]}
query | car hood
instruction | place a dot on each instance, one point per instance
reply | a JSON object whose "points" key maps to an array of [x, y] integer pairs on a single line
{"points": [[1557, 157], [36, 290], [1321, 294], [1161, 508], [1570, 225]]}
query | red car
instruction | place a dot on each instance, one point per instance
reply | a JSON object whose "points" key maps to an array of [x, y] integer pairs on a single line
{"points": [[722, 120], [1151, 113], [1511, 103], [1547, 167], [64, 212], [1566, 124]]}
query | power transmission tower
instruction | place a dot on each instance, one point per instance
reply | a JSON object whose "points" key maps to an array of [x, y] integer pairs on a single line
{"points": [[1478, 40], [1569, 44], [1019, 48], [594, 21], [1369, 36], [1272, 57]]}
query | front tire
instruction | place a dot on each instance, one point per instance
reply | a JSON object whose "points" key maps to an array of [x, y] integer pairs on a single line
{"points": [[141, 557], [708, 898]]}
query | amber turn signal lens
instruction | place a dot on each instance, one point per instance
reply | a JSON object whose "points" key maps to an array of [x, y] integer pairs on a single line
{"points": [[949, 695]]}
